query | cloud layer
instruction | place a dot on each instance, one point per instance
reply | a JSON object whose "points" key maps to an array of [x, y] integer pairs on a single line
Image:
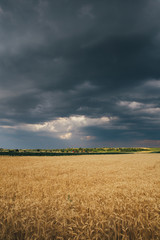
{"points": [[63, 63]]}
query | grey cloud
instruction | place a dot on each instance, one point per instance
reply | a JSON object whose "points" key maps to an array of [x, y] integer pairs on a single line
{"points": [[63, 58]]}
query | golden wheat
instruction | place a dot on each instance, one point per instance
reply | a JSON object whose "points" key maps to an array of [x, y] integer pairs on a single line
{"points": [[80, 197]]}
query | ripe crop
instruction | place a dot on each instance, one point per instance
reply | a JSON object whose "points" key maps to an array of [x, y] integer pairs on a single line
{"points": [[80, 197]]}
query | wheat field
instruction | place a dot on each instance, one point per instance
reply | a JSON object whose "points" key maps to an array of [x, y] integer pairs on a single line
{"points": [[80, 197]]}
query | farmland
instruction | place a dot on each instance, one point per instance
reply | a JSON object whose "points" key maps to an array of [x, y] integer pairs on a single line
{"points": [[80, 197], [73, 151]]}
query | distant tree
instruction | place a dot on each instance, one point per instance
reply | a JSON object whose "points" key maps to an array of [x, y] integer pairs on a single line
{"points": [[87, 150], [80, 149]]}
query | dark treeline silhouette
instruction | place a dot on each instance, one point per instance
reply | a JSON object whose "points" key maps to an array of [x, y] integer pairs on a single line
{"points": [[69, 151]]}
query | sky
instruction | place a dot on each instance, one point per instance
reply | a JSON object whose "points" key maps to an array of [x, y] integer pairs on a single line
{"points": [[82, 73]]}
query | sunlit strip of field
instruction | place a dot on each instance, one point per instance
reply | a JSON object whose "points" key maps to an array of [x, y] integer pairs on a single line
{"points": [[80, 197]]}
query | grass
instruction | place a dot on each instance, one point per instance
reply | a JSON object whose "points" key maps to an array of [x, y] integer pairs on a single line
{"points": [[71, 151], [80, 197], [155, 150]]}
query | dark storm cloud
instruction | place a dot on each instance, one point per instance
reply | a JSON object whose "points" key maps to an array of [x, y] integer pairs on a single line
{"points": [[26, 140], [92, 58]]}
